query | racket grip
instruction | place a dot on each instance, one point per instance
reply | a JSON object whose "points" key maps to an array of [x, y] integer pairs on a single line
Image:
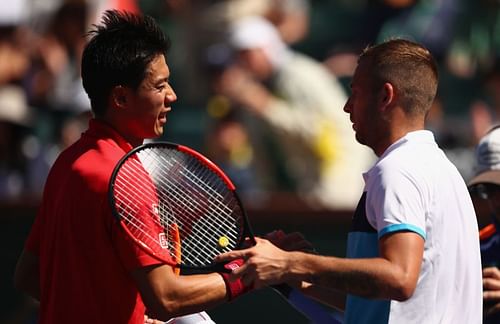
{"points": [[234, 288], [310, 308]]}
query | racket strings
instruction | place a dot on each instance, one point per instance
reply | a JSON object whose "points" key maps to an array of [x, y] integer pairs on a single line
{"points": [[216, 209], [129, 203], [201, 183], [201, 220], [191, 179], [165, 181], [216, 203]]}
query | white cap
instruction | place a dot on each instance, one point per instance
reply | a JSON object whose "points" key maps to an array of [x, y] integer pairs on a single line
{"points": [[13, 12], [488, 158], [257, 32]]}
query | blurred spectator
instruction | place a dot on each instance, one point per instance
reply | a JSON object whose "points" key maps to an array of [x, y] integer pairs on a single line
{"points": [[481, 119], [291, 17], [453, 136], [14, 56], [184, 21], [491, 86], [376, 14], [430, 22], [39, 81], [485, 192], [15, 119], [228, 145], [341, 56], [475, 38], [302, 102], [16, 115], [54, 82]]}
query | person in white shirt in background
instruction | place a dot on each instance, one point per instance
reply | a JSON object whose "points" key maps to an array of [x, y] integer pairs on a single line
{"points": [[301, 102]]}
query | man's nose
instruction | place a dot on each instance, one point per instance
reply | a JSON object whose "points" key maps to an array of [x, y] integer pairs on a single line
{"points": [[170, 97]]}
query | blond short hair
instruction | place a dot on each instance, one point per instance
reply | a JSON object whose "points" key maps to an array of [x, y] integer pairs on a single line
{"points": [[409, 67]]}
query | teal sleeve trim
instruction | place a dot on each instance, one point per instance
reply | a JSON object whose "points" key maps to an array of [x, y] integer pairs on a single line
{"points": [[401, 227]]}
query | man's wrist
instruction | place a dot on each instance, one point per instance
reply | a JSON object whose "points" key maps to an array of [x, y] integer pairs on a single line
{"points": [[234, 288]]}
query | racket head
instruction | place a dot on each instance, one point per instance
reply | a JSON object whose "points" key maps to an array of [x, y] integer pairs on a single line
{"points": [[162, 188]]}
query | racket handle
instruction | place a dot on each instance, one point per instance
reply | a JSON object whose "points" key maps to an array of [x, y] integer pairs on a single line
{"points": [[310, 308]]}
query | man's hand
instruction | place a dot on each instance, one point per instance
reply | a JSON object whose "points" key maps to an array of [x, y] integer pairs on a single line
{"points": [[294, 241], [491, 290], [265, 264]]}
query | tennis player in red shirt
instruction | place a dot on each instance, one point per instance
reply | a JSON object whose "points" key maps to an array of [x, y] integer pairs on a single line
{"points": [[77, 261]]}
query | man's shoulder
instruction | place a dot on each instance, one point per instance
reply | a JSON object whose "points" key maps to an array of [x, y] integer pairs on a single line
{"points": [[90, 161], [91, 151]]}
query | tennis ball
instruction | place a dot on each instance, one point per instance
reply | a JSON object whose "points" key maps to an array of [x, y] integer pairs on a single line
{"points": [[223, 241]]}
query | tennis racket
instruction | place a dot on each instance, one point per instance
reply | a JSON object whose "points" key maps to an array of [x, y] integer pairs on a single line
{"points": [[177, 205], [181, 208]]}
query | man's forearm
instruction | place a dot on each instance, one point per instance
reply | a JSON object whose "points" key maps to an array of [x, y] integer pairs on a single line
{"points": [[369, 278]]}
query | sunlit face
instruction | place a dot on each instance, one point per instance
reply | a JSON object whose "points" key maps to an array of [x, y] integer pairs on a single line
{"points": [[150, 103], [362, 106]]}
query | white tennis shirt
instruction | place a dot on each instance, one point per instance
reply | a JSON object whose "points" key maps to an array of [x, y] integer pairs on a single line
{"points": [[414, 187]]}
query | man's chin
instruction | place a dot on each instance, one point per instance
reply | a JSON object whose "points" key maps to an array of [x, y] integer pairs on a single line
{"points": [[158, 132]]}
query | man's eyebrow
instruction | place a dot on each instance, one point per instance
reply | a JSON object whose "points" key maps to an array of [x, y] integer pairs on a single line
{"points": [[163, 79]]}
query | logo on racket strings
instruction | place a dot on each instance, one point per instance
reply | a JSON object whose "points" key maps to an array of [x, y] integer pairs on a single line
{"points": [[162, 238]]}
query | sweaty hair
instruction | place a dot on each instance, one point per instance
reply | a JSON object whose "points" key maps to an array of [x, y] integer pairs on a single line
{"points": [[409, 67], [118, 53]]}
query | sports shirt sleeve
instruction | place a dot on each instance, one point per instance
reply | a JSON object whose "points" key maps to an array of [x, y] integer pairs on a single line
{"points": [[395, 202], [131, 255]]}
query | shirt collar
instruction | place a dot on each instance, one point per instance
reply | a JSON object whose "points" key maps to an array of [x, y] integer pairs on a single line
{"points": [[101, 129], [421, 136]]}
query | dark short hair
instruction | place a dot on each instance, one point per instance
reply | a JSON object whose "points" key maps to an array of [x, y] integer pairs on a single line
{"points": [[410, 67], [118, 53]]}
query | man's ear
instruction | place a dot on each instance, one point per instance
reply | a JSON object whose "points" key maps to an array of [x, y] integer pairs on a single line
{"points": [[387, 96], [119, 96]]}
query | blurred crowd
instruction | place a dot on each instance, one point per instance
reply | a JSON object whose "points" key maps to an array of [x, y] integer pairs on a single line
{"points": [[261, 85]]}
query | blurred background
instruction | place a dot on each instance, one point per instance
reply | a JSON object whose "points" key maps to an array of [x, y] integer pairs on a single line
{"points": [[243, 101]]}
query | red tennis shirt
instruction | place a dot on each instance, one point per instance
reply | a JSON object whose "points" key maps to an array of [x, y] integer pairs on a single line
{"points": [[85, 257]]}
